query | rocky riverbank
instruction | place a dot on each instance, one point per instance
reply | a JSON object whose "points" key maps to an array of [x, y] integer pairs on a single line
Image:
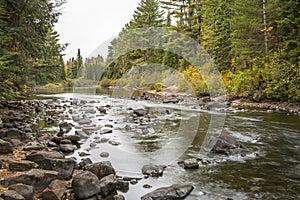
{"points": [[39, 163]]}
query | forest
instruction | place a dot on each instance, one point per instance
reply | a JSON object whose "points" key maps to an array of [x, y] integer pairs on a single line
{"points": [[254, 45]]}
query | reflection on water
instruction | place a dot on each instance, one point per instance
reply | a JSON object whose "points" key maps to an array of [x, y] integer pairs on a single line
{"points": [[167, 138]]}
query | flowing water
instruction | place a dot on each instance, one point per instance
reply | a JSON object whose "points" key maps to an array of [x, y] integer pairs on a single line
{"points": [[176, 132]]}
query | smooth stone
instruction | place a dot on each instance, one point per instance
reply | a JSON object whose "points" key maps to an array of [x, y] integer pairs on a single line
{"points": [[85, 184], [191, 163], [140, 112], [21, 165], [104, 154], [67, 148], [106, 130]]}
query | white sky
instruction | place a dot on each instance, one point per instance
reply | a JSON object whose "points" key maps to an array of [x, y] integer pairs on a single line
{"points": [[86, 24]]}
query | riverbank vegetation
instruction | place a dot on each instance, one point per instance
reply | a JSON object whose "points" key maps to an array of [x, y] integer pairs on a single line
{"points": [[254, 45]]}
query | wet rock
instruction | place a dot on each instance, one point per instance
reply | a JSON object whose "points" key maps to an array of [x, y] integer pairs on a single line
{"points": [[106, 130], [82, 134], [5, 147], [65, 127], [171, 100], [55, 190], [20, 165], [119, 197], [101, 169], [114, 143], [84, 121], [140, 112], [104, 154], [173, 192], [85, 184], [153, 170], [133, 181], [25, 190], [83, 154], [191, 163], [108, 185], [226, 144], [11, 195], [84, 162], [122, 185], [93, 144], [66, 141], [102, 110], [147, 186], [37, 178]]}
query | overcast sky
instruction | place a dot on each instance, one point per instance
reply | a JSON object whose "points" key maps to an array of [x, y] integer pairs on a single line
{"points": [[86, 24]]}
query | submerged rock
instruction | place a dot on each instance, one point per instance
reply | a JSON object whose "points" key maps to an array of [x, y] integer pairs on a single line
{"points": [[173, 192], [153, 170]]}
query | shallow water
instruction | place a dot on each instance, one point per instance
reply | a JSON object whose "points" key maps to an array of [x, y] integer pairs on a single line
{"points": [[180, 133]]}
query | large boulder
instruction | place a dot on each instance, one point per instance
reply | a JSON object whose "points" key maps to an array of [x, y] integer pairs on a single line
{"points": [[173, 192], [37, 178], [228, 145], [85, 184], [101, 169], [153, 170], [5, 147]]}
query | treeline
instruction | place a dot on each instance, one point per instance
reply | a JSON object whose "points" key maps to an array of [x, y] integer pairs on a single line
{"points": [[29, 49], [254, 44]]}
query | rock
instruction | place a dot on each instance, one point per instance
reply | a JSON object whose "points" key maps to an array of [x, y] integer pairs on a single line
{"points": [[65, 127], [64, 167], [82, 134], [14, 133], [66, 141], [133, 181], [173, 192], [140, 112], [119, 197], [55, 190], [84, 121], [147, 186], [108, 185], [84, 162], [171, 100], [85, 184], [104, 154], [44, 158], [54, 161], [11, 195], [67, 148], [114, 143], [83, 154], [25, 190], [225, 144], [191, 163], [105, 130], [5, 147], [20, 165], [153, 170], [101, 169], [37, 178], [122, 185]]}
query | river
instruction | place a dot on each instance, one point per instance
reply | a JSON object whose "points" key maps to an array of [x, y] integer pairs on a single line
{"points": [[177, 131]]}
